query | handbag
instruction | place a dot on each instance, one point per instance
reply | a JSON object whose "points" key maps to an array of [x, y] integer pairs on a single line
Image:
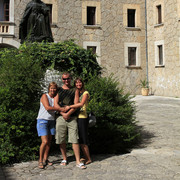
{"points": [[92, 119]]}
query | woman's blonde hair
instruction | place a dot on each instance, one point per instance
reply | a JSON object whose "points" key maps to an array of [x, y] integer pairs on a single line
{"points": [[52, 84]]}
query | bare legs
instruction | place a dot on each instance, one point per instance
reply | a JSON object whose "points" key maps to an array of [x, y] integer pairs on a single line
{"points": [[85, 150], [75, 149], [76, 152], [44, 149], [46, 152], [63, 152]]}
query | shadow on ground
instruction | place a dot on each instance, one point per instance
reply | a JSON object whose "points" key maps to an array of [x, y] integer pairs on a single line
{"points": [[143, 141], [71, 157], [145, 137]]}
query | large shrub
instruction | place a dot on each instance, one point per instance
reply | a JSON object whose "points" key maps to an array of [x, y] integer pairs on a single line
{"points": [[20, 91], [64, 56], [115, 130]]}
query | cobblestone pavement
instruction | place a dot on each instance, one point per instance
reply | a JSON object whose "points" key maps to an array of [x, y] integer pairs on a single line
{"points": [[158, 157]]}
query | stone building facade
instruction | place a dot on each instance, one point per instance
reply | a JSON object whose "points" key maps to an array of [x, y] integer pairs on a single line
{"points": [[116, 31], [164, 47]]}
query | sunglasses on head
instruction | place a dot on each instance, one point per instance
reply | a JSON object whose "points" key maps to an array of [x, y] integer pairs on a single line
{"points": [[65, 79]]}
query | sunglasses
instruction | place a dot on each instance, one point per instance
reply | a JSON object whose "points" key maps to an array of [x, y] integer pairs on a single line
{"points": [[65, 79]]}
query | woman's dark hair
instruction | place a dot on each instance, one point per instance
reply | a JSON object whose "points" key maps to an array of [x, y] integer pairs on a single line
{"points": [[79, 79]]}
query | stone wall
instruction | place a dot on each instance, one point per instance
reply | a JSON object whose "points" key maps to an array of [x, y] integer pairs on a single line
{"points": [[110, 34], [112, 47], [164, 81]]}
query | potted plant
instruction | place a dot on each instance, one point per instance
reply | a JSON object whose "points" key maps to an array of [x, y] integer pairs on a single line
{"points": [[144, 87]]}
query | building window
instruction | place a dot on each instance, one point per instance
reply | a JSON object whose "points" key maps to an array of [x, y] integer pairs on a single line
{"points": [[159, 14], [4, 10], [159, 53], [92, 48], [53, 5], [131, 17], [7, 17], [95, 47], [91, 12], [50, 12], [132, 56]]}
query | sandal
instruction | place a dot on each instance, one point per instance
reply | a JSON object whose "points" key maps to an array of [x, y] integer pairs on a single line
{"points": [[82, 160], [41, 165], [47, 162], [88, 162], [63, 163], [81, 166]]}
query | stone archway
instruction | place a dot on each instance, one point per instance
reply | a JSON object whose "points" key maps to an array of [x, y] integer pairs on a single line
{"points": [[6, 46], [8, 42]]}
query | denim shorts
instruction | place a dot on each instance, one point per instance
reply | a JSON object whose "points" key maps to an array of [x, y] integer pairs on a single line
{"points": [[45, 127]]}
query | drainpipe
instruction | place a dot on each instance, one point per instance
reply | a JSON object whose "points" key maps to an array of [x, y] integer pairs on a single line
{"points": [[147, 78]]}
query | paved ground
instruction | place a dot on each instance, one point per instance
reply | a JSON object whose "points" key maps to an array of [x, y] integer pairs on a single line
{"points": [[158, 158]]}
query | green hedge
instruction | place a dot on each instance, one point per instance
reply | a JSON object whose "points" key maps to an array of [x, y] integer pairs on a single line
{"points": [[64, 56], [115, 131], [20, 91]]}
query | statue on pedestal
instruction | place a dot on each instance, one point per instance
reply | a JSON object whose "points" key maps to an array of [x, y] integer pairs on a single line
{"points": [[35, 24]]}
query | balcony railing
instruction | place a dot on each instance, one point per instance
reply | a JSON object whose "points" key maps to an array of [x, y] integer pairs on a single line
{"points": [[4, 28]]}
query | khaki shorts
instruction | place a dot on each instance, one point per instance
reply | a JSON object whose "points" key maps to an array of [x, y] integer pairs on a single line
{"points": [[63, 126]]}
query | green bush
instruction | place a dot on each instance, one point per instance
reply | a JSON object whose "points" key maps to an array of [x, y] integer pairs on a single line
{"points": [[64, 56], [20, 91], [115, 130]]}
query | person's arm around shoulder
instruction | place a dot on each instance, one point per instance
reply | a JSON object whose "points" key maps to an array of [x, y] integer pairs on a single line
{"points": [[67, 115], [56, 104], [45, 102], [76, 98], [83, 101]]}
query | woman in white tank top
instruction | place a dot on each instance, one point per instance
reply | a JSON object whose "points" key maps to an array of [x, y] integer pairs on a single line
{"points": [[46, 123]]}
